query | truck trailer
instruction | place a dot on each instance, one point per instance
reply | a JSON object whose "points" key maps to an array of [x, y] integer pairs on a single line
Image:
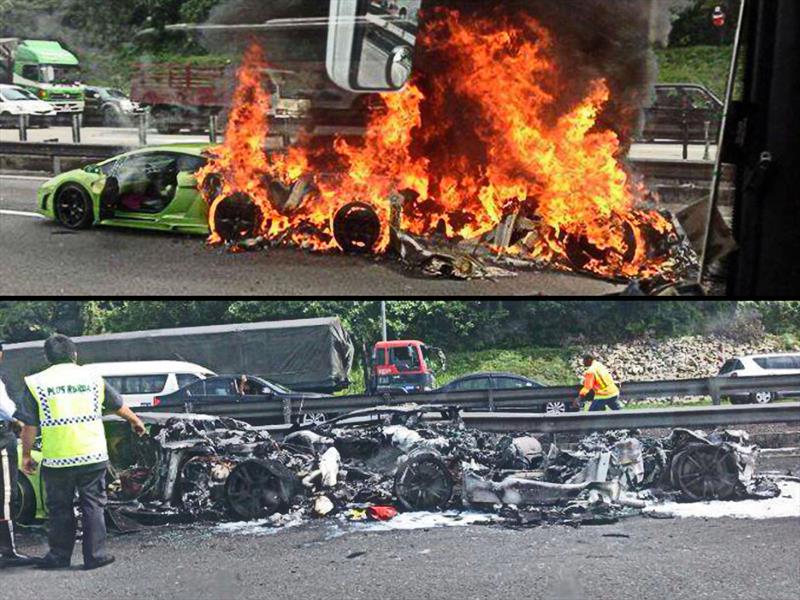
{"points": [[313, 355]]}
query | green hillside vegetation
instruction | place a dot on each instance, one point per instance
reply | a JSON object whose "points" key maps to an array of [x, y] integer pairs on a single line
{"points": [[706, 65]]}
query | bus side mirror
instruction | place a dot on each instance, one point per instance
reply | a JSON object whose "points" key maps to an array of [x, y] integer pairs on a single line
{"points": [[369, 48]]}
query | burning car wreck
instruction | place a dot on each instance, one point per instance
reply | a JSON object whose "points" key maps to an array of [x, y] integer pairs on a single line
{"points": [[377, 462], [527, 174]]}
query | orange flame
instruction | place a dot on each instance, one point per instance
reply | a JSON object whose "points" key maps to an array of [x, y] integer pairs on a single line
{"points": [[506, 147]]}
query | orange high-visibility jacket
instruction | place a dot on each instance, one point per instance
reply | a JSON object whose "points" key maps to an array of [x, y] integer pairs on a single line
{"points": [[598, 378]]}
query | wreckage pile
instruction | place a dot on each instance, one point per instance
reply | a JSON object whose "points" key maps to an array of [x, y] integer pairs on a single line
{"points": [[374, 463]]}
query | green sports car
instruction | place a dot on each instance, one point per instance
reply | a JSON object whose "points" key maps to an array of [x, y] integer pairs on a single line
{"points": [[150, 188], [29, 503]]}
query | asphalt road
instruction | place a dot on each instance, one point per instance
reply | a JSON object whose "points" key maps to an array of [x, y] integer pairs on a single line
{"points": [[39, 257], [639, 558]]}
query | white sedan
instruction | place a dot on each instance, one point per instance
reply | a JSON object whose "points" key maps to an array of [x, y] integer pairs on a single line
{"points": [[15, 101]]}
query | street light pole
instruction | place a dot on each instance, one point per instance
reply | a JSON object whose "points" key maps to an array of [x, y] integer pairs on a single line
{"points": [[383, 319]]}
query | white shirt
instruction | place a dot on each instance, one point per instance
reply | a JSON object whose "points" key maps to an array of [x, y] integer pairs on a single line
{"points": [[7, 406]]}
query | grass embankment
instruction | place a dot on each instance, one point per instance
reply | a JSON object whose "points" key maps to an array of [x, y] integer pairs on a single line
{"points": [[549, 366], [706, 65]]}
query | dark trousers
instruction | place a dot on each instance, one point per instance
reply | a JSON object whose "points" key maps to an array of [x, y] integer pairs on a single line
{"points": [[612, 403], [8, 475], [61, 485]]}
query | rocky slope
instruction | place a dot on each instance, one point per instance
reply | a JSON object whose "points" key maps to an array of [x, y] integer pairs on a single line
{"points": [[674, 358]]}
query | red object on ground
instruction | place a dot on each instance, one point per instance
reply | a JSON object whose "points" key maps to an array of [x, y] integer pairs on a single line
{"points": [[381, 513]]}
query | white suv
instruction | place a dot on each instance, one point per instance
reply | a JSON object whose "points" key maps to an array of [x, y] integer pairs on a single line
{"points": [[759, 365]]}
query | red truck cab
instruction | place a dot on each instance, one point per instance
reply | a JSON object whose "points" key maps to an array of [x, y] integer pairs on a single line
{"points": [[401, 366]]}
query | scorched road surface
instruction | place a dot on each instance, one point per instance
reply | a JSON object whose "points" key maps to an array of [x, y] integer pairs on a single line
{"points": [[39, 257], [636, 558]]}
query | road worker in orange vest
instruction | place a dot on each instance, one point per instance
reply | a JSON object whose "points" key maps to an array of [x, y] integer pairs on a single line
{"points": [[598, 386]]}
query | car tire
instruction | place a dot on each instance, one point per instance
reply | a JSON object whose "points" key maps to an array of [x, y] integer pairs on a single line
{"points": [[762, 397], [111, 117], [24, 509], [555, 408], [73, 207]]}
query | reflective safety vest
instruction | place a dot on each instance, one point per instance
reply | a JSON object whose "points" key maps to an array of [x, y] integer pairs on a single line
{"points": [[598, 378], [70, 400]]}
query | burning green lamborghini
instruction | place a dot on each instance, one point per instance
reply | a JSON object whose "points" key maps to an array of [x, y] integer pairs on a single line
{"points": [[151, 188]]}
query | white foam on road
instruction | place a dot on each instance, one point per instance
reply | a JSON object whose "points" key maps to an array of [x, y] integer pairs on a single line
{"points": [[785, 505], [406, 520], [21, 213], [426, 520], [257, 527]]}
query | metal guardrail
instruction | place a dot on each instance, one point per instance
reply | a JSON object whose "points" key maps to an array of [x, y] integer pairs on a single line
{"points": [[527, 399], [706, 416], [57, 149], [651, 169]]}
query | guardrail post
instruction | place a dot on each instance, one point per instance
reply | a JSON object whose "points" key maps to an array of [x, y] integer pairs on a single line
{"points": [[56, 165], [76, 128], [713, 391], [212, 129], [491, 400], [685, 130], [287, 410], [23, 128], [141, 124], [707, 153]]}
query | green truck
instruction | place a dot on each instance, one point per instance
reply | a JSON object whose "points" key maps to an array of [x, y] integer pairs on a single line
{"points": [[45, 68]]}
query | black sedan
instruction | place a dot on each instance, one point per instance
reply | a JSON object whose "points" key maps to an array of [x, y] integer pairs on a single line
{"points": [[235, 389], [498, 380]]}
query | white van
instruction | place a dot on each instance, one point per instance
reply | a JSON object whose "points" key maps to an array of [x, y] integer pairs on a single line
{"points": [[140, 381], [753, 365]]}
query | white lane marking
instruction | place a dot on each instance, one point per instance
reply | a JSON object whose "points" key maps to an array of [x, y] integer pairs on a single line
{"points": [[25, 177], [21, 213]]}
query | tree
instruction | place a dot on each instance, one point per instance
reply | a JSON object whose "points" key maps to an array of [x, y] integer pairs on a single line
{"points": [[693, 27]]}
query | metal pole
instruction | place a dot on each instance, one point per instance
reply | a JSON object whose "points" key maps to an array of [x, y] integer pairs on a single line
{"points": [[383, 320], [76, 128], [707, 153], [685, 128], [141, 122], [23, 131], [212, 129], [715, 180]]}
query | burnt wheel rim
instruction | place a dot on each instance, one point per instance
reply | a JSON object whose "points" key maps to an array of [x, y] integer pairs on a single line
{"points": [[356, 228], [257, 488], [71, 207], [235, 217], [424, 484], [707, 473]]}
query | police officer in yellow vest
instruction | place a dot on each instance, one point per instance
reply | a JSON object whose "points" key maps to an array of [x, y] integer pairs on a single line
{"points": [[598, 385], [66, 402]]}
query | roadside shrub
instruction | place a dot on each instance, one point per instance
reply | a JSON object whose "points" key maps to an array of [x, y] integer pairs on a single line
{"points": [[744, 326]]}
